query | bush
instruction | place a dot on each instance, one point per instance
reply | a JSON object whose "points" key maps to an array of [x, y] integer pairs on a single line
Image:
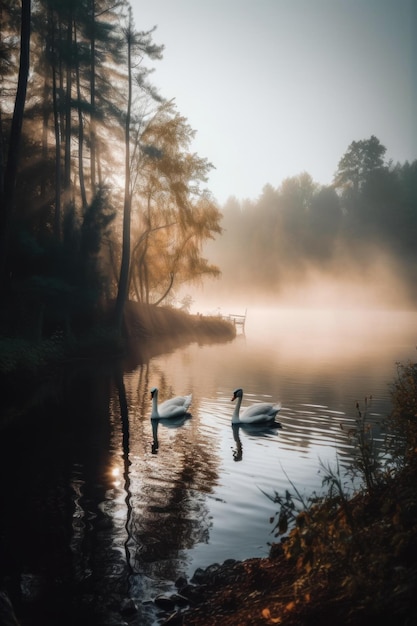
{"points": [[403, 419]]}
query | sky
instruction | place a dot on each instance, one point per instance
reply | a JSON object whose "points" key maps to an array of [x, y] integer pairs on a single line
{"points": [[274, 88]]}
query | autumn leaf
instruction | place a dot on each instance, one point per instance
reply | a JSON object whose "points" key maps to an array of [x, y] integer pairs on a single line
{"points": [[266, 614]]}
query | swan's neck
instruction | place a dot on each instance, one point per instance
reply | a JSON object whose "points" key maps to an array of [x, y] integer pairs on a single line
{"points": [[155, 424], [155, 405], [235, 416]]}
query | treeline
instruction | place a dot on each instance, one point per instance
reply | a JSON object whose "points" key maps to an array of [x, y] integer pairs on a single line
{"points": [[101, 198], [368, 216]]}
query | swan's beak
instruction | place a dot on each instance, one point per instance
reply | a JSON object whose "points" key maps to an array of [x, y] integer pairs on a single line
{"points": [[233, 398]]}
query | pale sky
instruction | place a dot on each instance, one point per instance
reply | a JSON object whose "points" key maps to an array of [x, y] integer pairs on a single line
{"points": [[277, 87]]}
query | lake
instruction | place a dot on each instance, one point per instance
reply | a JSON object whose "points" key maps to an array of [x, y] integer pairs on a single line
{"points": [[140, 503]]}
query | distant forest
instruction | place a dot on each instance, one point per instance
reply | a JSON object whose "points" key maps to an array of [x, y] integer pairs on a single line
{"points": [[362, 225]]}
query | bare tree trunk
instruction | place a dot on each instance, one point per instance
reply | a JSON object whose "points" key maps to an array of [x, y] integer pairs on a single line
{"points": [[57, 131], [93, 139], [45, 119], [68, 125], [80, 129], [123, 286], [1, 155], [15, 136]]}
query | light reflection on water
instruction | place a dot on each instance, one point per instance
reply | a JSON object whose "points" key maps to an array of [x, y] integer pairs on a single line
{"points": [[193, 493]]}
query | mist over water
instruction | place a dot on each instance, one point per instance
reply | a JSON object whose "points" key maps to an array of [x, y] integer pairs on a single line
{"points": [[379, 285]]}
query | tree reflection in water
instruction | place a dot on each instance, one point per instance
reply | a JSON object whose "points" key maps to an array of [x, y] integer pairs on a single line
{"points": [[169, 482]]}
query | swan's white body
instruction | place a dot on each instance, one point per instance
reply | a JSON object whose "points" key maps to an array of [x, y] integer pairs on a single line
{"points": [[174, 407], [259, 413]]}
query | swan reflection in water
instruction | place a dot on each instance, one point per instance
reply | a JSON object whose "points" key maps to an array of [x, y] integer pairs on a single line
{"points": [[168, 422], [260, 430]]}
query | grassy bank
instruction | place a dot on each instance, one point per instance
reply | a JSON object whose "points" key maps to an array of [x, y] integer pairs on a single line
{"points": [[21, 356]]}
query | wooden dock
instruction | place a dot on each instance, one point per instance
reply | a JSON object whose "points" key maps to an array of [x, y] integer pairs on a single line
{"points": [[238, 320]]}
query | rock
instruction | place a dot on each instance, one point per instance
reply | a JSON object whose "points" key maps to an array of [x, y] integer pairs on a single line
{"points": [[165, 603], [211, 570], [199, 576], [194, 594], [181, 582], [214, 573], [179, 599]]}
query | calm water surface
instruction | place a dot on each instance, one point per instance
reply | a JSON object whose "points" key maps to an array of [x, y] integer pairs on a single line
{"points": [[120, 507], [191, 493]]}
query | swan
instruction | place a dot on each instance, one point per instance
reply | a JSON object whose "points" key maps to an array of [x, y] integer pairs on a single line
{"points": [[174, 407], [259, 413]]}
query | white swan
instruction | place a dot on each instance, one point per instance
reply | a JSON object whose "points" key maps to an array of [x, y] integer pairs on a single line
{"points": [[259, 413], [174, 407]]}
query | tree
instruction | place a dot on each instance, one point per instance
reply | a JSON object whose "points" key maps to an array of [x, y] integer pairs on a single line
{"points": [[296, 194], [139, 43], [360, 173], [361, 158], [324, 224], [82, 123], [10, 18], [175, 216], [15, 135]]}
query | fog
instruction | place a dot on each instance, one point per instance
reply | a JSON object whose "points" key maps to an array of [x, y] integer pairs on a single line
{"points": [[379, 284], [309, 246]]}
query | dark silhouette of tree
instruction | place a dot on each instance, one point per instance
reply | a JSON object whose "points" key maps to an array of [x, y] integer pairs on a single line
{"points": [[9, 180], [360, 160], [10, 23]]}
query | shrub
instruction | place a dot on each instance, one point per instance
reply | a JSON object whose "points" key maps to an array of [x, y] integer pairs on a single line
{"points": [[403, 419]]}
